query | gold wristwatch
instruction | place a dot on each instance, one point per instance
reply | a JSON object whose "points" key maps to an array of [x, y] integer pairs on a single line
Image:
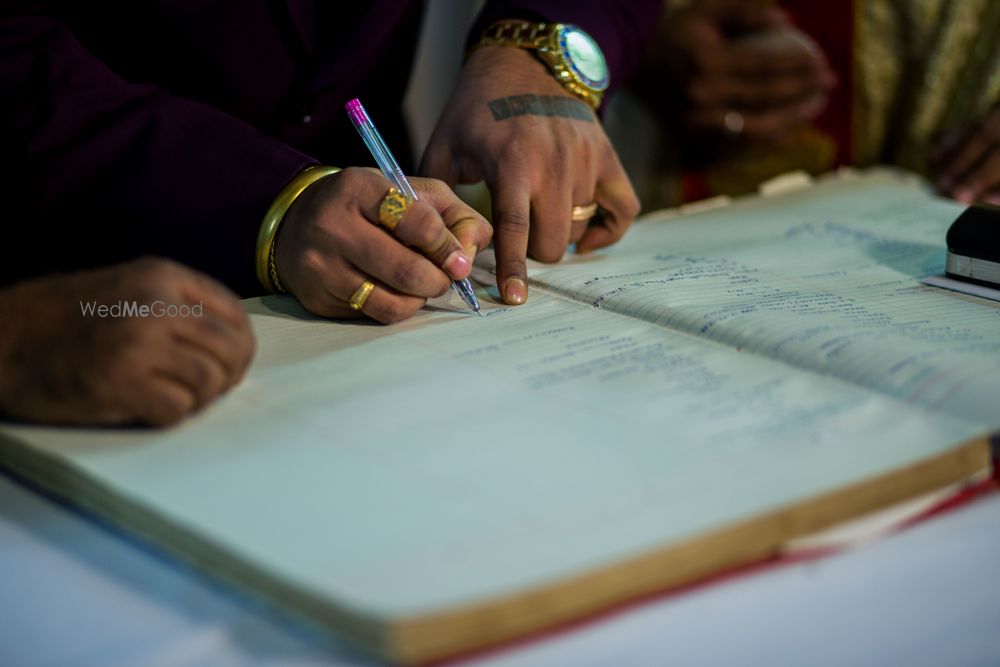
{"points": [[572, 55]]}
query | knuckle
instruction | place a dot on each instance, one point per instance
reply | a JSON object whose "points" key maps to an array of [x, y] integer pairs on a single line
{"points": [[203, 376], [426, 226], [168, 409], [514, 222], [560, 154], [352, 177], [391, 311], [435, 187], [439, 250], [313, 262], [443, 289], [485, 231], [408, 276], [514, 152]]}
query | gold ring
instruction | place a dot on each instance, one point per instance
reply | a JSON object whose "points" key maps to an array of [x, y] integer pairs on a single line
{"points": [[585, 212], [361, 295], [394, 205]]}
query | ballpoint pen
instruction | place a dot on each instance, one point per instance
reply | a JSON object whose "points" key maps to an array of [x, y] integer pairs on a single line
{"points": [[394, 173]]}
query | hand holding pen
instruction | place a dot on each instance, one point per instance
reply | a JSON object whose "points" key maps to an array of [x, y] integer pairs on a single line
{"points": [[336, 254], [401, 195]]}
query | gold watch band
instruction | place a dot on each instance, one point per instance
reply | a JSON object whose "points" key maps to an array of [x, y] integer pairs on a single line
{"points": [[516, 33], [542, 38]]}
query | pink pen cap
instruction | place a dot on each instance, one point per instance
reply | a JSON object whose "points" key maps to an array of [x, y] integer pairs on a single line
{"points": [[356, 112]]}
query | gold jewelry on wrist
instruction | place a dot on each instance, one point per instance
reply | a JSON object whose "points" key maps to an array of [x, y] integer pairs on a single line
{"points": [[572, 55], [267, 272]]}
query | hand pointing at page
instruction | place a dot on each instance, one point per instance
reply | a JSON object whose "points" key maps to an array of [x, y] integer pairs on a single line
{"points": [[543, 154]]}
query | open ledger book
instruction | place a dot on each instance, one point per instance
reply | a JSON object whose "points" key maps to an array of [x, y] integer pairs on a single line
{"points": [[687, 401]]}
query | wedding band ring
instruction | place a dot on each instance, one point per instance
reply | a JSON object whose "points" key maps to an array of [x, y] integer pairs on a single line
{"points": [[733, 123], [394, 205], [585, 212], [361, 295]]}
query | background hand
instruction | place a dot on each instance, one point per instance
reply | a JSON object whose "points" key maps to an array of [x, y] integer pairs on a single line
{"points": [[967, 163], [60, 365], [744, 68], [331, 242], [541, 151]]}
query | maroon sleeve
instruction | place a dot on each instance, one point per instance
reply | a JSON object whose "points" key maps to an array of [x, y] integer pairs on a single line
{"points": [[621, 28], [104, 169]]}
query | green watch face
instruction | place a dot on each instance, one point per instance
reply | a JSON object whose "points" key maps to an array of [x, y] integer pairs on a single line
{"points": [[584, 57]]}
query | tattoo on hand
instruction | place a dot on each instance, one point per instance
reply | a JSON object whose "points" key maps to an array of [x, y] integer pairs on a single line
{"points": [[540, 105]]}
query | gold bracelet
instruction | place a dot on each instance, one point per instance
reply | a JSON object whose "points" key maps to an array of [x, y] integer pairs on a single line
{"points": [[267, 273], [548, 42]]}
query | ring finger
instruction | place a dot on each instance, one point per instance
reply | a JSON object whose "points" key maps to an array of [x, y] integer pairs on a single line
{"points": [[583, 197], [418, 225], [377, 254], [383, 303]]}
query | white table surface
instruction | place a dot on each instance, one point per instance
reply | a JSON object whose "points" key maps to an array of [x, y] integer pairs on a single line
{"points": [[74, 593]]}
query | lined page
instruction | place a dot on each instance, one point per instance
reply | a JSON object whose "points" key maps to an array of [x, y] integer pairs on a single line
{"points": [[452, 459], [826, 279]]}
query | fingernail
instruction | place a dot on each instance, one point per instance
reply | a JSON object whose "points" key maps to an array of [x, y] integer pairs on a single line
{"points": [[515, 291], [457, 265]]}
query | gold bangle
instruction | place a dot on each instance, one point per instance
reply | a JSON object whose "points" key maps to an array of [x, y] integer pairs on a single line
{"points": [[267, 273]]}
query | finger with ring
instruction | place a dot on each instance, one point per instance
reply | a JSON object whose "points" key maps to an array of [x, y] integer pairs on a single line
{"points": [[357, 300], [393, 207], [585, 212]]}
